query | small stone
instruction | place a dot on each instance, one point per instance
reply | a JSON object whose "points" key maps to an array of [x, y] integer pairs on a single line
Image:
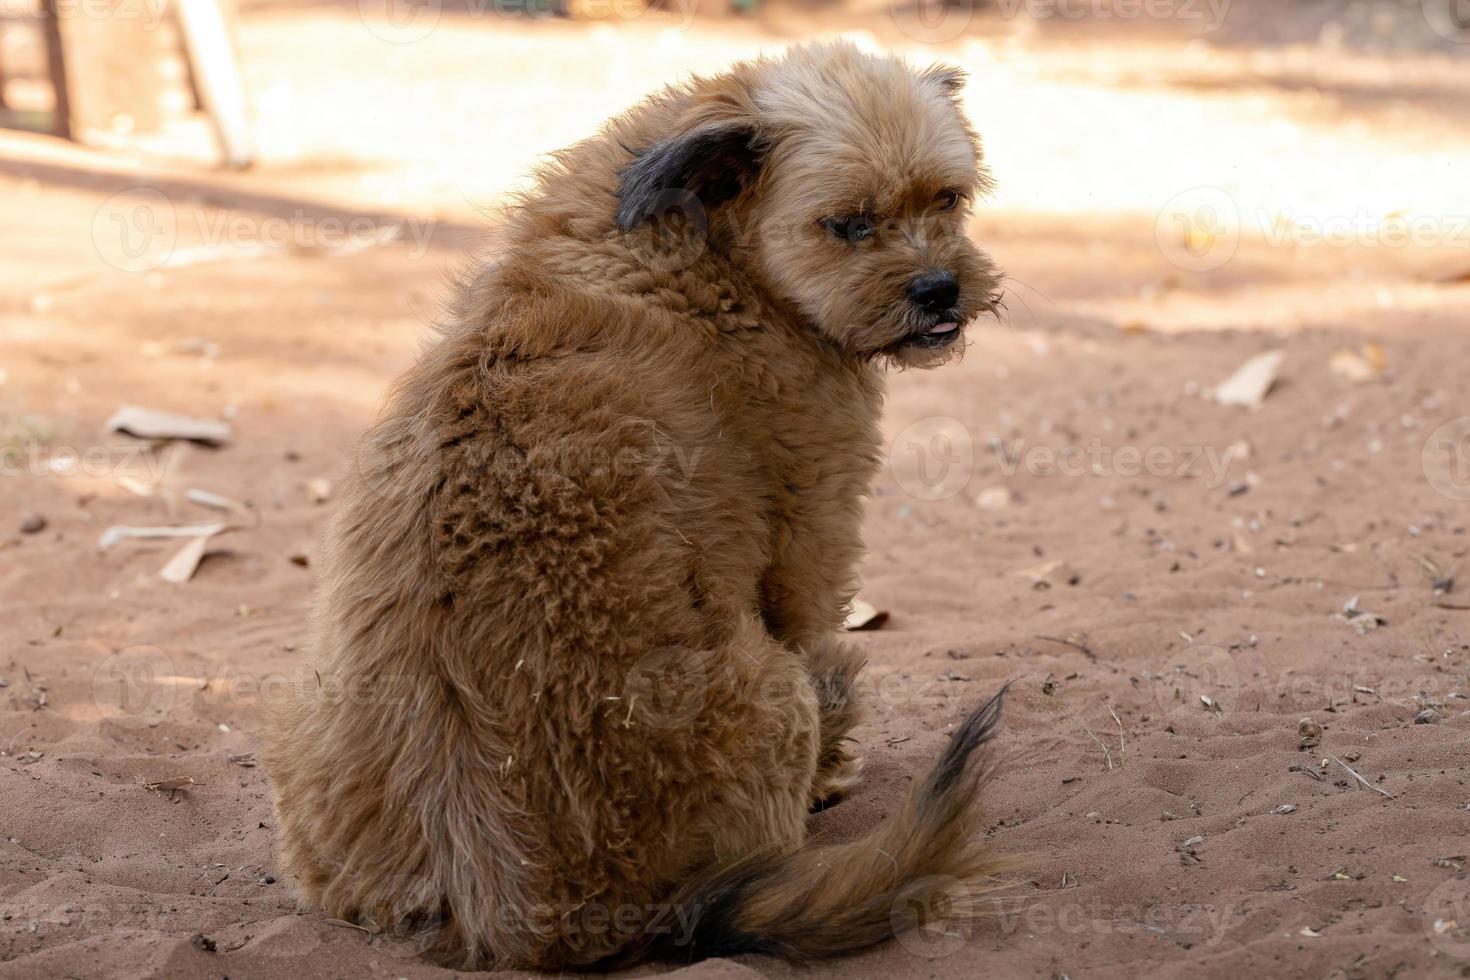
{"points": [[1427, 717], [1307, 728], [994, 498], [1285, 808], [32, 523]]}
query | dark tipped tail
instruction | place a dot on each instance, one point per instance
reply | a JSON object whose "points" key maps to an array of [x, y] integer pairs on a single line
{"points": [[919, 866]]}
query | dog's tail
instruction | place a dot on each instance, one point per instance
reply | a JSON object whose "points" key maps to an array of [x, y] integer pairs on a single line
{"points": [[918, 867]]}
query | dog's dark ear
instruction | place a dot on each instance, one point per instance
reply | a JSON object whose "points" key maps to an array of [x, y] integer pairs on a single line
{"points": [[713, 161], [948, 77]]}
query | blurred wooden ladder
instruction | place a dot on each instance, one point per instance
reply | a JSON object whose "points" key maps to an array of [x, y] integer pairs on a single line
{"points": [[208, 53]]}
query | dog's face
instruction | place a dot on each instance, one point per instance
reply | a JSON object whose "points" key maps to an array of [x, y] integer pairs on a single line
{"points": [[846, 179]]}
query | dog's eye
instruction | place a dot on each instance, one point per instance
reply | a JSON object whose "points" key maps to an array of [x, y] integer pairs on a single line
{"points": [[853, 228], [948, 200]]}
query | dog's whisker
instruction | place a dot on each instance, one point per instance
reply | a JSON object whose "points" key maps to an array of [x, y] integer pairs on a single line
{"points": [[1022, 282]]}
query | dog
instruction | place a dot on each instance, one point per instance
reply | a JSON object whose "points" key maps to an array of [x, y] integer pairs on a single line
{"points": [[574, 683]]}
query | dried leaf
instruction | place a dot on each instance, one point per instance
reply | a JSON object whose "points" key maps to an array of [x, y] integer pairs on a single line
{"points": [[1252, 381], [1364, 621], [185, 562], [148, 423], [1359, 366], [171, 785], [864, 616], [206, 498], [121, 532]]}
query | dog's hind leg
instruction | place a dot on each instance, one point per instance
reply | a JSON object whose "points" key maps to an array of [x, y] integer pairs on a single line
{"points": [[834, 668]]}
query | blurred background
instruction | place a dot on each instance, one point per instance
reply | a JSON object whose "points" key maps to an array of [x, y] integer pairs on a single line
{"points": [[248, 213], [1150, 147]]}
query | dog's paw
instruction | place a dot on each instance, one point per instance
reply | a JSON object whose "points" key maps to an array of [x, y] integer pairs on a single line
{"points": [[836, 779]]}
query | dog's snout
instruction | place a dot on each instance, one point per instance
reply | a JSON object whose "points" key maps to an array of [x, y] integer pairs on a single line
{"points": [[935, 292]]}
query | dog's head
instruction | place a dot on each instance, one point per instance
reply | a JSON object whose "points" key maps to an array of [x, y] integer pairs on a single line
{"points": [[844, 180]]}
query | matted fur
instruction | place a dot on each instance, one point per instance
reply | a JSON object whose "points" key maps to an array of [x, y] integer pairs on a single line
{"points": [[574, 676]]}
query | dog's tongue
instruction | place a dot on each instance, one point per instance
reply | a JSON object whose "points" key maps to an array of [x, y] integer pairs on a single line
{"points": [[944, 327]]}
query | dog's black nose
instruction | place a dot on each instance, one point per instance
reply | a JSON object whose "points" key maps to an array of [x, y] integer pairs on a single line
{"points": [[935, 292]]}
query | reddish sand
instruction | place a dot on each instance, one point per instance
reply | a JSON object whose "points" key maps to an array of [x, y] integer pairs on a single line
{"points": [[1064, 509]]}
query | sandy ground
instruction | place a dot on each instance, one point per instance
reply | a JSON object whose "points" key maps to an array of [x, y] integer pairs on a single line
{"points": [[1173, 585]]}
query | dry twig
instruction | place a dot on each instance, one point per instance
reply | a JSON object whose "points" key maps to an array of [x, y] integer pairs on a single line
{"points": [[1354, 773]]}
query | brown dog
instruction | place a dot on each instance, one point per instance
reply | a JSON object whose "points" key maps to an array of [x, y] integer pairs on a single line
{"points": [[574, 685]]}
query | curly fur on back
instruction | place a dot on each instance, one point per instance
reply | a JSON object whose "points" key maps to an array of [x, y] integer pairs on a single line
{"points": [[573, 683]]}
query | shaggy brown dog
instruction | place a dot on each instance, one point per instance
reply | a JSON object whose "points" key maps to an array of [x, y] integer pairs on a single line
{"points": [[574, 685]]}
